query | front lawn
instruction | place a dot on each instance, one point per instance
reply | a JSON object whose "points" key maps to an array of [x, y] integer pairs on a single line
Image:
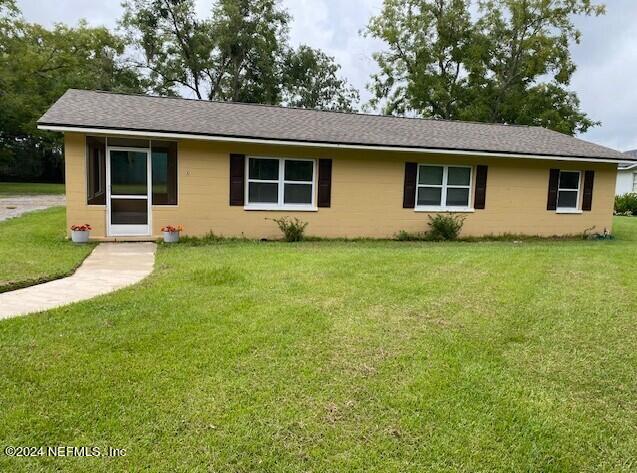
{"points": [[30, 188], [33, 249], [340, 356]]}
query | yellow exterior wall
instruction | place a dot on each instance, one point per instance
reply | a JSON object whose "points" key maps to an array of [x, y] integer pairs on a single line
{"points": [[367, 193]]}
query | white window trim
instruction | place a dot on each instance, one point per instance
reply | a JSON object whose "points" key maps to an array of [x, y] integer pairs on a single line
{"points": [[443, 207], [635, 182], [578, 205], [281, 181]]}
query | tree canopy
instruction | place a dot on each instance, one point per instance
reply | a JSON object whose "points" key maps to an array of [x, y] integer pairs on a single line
{"points": [[240, 53], [505, 61], [37, 65]]}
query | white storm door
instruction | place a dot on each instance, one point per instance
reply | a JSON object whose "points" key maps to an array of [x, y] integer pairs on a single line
{"points": [[128, 174]]}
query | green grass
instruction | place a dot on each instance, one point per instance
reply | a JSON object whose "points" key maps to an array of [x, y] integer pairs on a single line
{"points": [[30, 188], [340, 356], [33, 249]]}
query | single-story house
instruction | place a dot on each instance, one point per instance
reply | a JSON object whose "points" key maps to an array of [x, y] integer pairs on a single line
{"points": [[136, 163], [627, 175]]}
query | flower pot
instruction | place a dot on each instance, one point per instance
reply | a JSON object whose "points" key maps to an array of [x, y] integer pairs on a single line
{"points": [[79, 236], [171, 237]]}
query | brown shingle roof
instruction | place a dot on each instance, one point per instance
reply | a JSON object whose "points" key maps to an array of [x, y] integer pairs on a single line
{"points": [[93, 109]]}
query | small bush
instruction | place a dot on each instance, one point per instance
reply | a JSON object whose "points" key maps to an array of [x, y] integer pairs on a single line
{"points": [[626, 204], [292, 228], [445, 227]]}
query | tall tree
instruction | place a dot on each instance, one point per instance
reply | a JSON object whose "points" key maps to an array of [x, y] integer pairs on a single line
{"points": [[509, 62], [37, 65], [240, 53], [312, 81]]}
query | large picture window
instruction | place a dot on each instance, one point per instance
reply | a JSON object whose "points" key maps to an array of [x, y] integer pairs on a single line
{"points": [[568, 191], [280, 183], [443, 187]]}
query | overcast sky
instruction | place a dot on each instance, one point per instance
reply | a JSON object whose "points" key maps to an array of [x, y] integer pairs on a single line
{"points": [[606, 79]]}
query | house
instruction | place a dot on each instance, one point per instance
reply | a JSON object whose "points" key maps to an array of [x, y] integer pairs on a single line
{"points": [[627, 175], [136, 163]]}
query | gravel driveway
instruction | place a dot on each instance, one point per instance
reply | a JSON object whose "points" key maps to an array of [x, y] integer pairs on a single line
{"points": [[13, 206]]}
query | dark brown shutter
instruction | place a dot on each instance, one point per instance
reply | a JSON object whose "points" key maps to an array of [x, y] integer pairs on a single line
{"points": [[237, 178], [95, 170], [324, 182], [554, 178], [480, 198], [409, 189], [587, 200]]}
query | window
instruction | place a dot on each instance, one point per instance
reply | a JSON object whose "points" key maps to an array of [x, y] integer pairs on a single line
{"points": [[635, 182], [163, 162], [568, 191], [280, 183], [443, 187], [95, 170], [164, 172]]}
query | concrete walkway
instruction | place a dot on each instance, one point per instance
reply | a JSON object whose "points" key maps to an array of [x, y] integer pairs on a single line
{"points": [[109, 267], [15, 205]]}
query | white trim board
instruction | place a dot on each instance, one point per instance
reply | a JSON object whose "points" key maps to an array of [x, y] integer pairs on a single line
{"points": [[317, 144]]}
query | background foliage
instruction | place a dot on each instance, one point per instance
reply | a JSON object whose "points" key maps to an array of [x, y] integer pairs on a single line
{"points": [[505, 61]]}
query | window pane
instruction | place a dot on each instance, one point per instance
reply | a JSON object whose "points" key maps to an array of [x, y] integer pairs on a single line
{"points": [[458, 176], [263, 192], [569, 180], [129, 211], [297, 194], [635, 182], [298, 170], [266, 169], [128, 173], [96, 170], [164, 170], [430, 175], [567, 199], [429, 196], [457, 197], [128, 142], [160, 172]]}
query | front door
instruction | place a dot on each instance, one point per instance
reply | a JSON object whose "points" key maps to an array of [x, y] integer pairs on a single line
{"points": [[128, 172]]}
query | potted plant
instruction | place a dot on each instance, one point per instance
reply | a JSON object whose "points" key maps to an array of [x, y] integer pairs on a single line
{"points": [[171, 233], [79, 233]]}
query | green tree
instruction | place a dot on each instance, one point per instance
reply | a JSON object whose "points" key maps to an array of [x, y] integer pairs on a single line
{"points": [[312, 81], [37, 65], [509, 62], [240, 53]]}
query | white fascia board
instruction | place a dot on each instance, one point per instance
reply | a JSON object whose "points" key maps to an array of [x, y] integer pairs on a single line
{"points": [[316, 144]]}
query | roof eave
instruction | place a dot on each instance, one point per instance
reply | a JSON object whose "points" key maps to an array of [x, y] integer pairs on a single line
{"points": [[314, 144]]}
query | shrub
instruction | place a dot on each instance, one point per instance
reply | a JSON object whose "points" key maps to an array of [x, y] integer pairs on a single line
{"points": [[626, 204], [292, 228], [445, 227]]}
